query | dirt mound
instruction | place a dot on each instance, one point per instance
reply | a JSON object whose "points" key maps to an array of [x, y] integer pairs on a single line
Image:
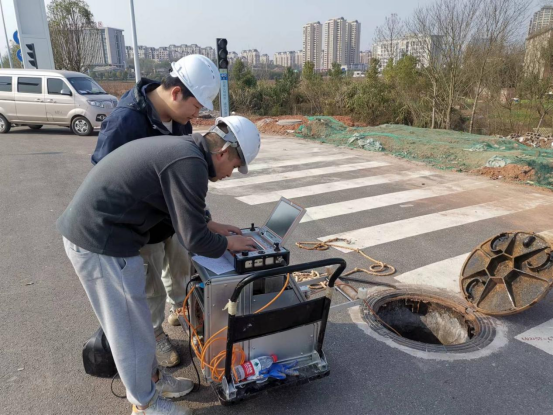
{"points": [[513, 172], [266, 125]]}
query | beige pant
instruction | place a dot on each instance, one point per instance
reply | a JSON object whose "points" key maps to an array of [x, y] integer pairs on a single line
{"points": [[168, 270]]}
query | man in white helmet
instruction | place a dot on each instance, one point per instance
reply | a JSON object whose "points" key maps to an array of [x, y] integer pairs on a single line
{"points": [[163, 109], [109, 221]]}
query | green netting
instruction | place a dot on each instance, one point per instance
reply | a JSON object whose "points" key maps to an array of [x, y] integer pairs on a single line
{"points": [[444, 149]]}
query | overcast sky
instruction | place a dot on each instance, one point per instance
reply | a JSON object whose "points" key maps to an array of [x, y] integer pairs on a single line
{"points": [[269, 26]]}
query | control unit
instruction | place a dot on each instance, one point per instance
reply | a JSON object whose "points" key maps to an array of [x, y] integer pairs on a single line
{"points": [[269, 239]]}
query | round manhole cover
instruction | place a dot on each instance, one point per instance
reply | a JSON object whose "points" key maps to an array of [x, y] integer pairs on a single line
{"points": [[427, 321], [508, 273]]}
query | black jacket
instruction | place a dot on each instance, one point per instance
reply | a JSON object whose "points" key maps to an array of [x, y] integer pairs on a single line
{"points": [[134, 117], [138, 186]]}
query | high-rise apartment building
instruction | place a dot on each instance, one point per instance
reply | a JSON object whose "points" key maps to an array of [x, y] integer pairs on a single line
{"points": [[299, 59], [353, 42], [105, 47], [342, 40], [335, 42], [313, 44], [542, 19]]}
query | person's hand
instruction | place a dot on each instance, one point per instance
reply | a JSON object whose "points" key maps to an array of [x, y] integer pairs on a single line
{"points": [[222, 229], [241, 243]]}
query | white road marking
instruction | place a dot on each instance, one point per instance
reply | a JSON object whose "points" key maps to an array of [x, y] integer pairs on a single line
{"points": [[296, 162], [443, 274], [389, 199], [393, 231], [267, 178], [317, 189], [540, 336]]}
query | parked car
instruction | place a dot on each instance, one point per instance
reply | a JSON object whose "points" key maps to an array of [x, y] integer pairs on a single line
{"points": [[33, 98]]}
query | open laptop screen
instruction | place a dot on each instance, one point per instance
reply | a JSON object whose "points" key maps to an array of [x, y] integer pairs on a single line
{"points": [[283, 218]]}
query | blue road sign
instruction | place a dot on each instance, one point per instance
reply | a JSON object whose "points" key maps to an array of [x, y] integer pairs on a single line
{"points": [[16, 37], [19, 55]]}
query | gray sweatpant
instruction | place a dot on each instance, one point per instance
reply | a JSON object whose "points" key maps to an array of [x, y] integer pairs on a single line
{"points": [[116, 290], [168, 269]]}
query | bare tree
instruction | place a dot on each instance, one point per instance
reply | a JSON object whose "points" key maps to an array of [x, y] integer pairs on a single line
{"points": [[453, 22], [388, 36], [497, 23], [73, 35]]}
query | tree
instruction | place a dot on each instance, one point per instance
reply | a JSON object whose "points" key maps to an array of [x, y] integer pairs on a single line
{"points": [[388, 35], [335, 71], [243, 75], [72, 34], [454, 23], [6, 61], [497, 23]]}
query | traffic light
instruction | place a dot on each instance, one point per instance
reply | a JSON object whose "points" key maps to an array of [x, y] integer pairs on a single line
{"points": [[222, 53], [32, 54]]}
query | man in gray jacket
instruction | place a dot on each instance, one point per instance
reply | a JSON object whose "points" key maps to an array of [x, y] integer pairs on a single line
{"points": [[109, 220]]}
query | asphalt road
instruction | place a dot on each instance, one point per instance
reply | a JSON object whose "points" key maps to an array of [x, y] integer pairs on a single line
{"points": [[45, 316]]}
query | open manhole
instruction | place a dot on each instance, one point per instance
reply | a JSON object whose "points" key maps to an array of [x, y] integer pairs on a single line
{"points": [[428, 321]]}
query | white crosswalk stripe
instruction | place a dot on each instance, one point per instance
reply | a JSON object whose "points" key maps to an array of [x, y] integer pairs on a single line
{"points": [[444, 274], [317, 189], [389, 232], [297, 162], [389, 199], [267, 178]]}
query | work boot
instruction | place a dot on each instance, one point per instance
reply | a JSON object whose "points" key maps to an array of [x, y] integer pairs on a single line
{"points": [[160, 406], [166, 354], [173, 318], [169, 386]]}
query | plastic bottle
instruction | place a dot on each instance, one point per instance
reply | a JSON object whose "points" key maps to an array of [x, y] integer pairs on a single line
{"points": [[252, 368]]}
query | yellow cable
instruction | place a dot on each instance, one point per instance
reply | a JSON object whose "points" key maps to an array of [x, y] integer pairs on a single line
{"points": [[217, 373]]}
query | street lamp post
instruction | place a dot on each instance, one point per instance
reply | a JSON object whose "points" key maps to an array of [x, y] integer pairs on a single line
{"points": [[6, 34], [135, 45]]}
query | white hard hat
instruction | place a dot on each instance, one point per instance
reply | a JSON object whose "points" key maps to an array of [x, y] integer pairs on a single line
{"points": [[243, 135], [200, 75]]}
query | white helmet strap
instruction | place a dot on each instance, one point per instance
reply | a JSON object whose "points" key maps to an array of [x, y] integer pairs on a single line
{"points": [[230, 141]]}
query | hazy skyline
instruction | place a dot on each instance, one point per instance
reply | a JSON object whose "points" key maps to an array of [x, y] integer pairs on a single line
{"points": [[267, 26]]}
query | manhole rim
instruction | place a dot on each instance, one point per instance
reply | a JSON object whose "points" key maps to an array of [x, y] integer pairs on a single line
{"points": [[484, 328]]}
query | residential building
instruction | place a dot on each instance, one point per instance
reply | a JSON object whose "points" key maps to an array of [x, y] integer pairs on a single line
{"points": [[105, 47], [265, 59], [335, 42], [299, 59], [312, 44], [232, 56], [542, 19], [538, 51], [365, 57], [162, 54], [286, 59], [425, 49], [353, 41], [252, 57]]}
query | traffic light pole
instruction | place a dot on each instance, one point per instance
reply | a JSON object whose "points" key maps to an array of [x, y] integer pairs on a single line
{"points": [[222, 64], [6, 34]]}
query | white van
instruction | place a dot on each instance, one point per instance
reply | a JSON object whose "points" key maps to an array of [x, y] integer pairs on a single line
{"points": [[33, 98]]}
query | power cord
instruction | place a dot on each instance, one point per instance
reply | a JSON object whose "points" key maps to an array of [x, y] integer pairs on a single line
{"points": [[114, 394], [197, 385]]}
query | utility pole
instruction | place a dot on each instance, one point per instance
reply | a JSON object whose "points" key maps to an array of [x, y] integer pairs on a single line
{"points": [[135, 45], [6, 34]]}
